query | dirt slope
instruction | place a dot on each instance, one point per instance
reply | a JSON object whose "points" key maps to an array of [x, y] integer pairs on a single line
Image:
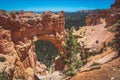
{"points": [[109, 71]]}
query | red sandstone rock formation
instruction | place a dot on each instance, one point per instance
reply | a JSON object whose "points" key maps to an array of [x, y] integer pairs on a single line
{"points": [[19, 31], [96, 18], [29, 24], [114, 14], [89, 19], [116, 5], [6, 45], [110, 16]]}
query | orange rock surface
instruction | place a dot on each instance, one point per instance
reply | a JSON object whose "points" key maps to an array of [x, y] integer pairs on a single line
{"points": [[19, 31]]}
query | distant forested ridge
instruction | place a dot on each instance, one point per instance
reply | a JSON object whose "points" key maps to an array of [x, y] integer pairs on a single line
{"points": [[76, 19]]}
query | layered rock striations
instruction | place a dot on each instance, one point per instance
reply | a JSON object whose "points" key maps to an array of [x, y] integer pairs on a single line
{"points": [[19, 31], [30, 24]]}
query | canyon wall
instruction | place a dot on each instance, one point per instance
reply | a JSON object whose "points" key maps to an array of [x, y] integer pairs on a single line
{"points": [[19, 31], [96, 18], [110, 16], [114, 14]]}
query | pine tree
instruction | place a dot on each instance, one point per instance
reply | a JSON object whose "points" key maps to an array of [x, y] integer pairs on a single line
{"points": [[115, 43], [72, 50]]}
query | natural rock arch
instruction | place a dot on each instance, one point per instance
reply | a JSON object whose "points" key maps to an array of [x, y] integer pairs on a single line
{"points": [[54, 41], [59, 65], [21, 31]]}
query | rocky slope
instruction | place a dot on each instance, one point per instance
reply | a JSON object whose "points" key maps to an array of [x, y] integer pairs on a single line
{"points": [[109, 71], [94, 36], [18, 32], [104, 66]]}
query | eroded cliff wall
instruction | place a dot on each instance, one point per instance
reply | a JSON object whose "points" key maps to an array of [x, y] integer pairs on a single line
{"points": [[110, 16], [19, 31]]}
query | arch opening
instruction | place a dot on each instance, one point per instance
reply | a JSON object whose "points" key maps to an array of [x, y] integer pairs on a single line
{"points": [[46, 52]]}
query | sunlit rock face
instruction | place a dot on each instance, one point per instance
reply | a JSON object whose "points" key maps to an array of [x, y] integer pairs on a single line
{"points": [[19, 31], [30, 24], [112, 19], [89, 19], [96, 18], [116, 5], [6, 45], [109, 16], [114, 14]]}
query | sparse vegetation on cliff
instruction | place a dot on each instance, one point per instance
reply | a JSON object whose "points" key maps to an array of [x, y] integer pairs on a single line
{"points": [[2, 59], [72, 60], [3, 76], [19, 30], [115, 43]]}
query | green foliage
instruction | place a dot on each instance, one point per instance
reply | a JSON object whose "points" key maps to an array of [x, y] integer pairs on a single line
{"points": [[46, 52], [104, 45], [2, 59], [97, 51], [72, 62], [118, 21], [95, 64], [111, 44], [76, 19], [84, 54], [3, 76], [112, 30], [115, 43], [94, 52]]}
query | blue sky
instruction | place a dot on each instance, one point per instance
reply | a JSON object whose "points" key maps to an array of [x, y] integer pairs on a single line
{"points": [[54, 5]]}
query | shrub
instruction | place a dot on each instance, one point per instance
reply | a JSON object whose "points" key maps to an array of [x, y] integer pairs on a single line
{"points": [[115, 43], [112, 30], [3, 76], [98, 51], [104, 45], [2, 59], [97, 41], [118, 21], [95, 64]]}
